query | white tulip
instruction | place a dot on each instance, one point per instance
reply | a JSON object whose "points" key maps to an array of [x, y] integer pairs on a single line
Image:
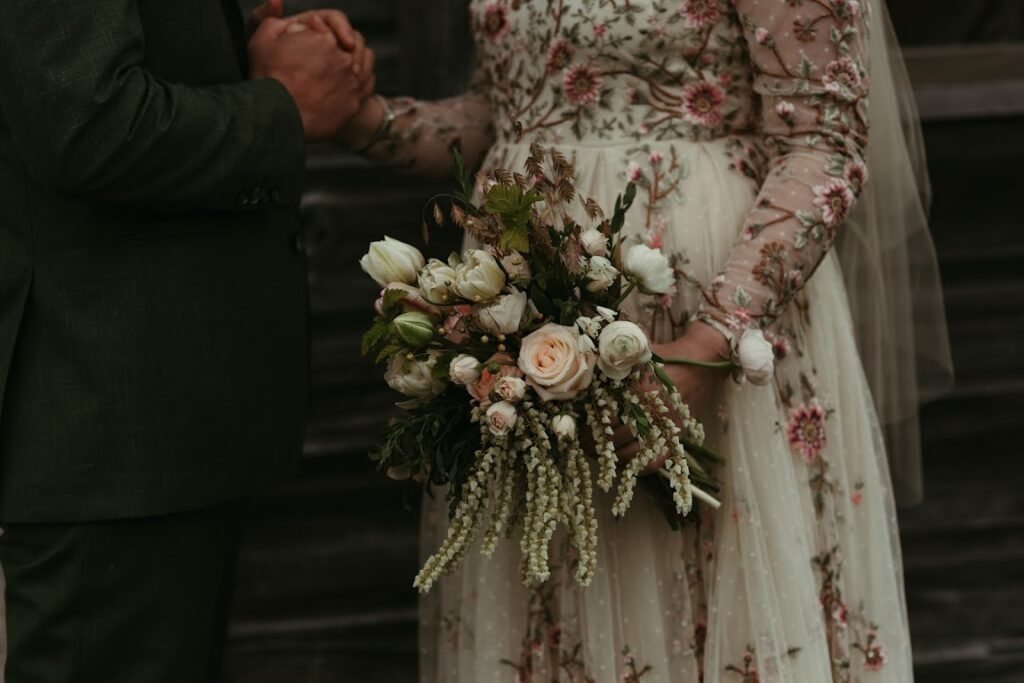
{"points": [[756, 357], [608, 314], [564, 427], [479, 277], [501, 418], [391, 260], [651, 268], [594, 242], [600, 275], [436, 281], [464, 369], [622, 347], [414, 378], [504, 316]]}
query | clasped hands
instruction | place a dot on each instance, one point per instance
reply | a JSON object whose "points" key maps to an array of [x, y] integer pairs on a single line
{"points": [[320, 59]]}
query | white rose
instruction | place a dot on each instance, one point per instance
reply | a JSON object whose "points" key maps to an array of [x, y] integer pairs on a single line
{"points": [[756, 357], [621, 347], [564, 427], [436, 281], [501, 418], [504, 316], [414, 378], [509, 388], [594, 242], [601, 275], [479, 277], [553, 363], [516, 265], [391, 260], [651, 268], [464, 369]]}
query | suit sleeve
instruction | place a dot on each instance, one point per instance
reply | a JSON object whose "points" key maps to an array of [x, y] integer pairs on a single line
{"points": [[87, 118]]}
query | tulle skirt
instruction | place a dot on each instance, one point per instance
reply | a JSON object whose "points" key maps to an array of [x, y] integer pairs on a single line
{"points": [[797, 578]]}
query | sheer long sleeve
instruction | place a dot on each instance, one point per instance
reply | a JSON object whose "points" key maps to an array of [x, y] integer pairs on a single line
{"points": [[811, 76], [423, 134]]}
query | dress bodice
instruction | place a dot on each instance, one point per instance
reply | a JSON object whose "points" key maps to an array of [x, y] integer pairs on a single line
{"points": [[578, 71]]}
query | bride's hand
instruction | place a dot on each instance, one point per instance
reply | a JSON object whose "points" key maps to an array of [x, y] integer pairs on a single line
{"points": [[698, 386], [322, 20]]}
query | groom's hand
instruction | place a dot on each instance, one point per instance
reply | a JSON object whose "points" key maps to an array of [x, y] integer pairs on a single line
{"points": [[321, 78]]}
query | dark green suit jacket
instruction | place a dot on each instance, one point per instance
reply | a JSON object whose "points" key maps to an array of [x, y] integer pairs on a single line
{"points": [[153, 308]]}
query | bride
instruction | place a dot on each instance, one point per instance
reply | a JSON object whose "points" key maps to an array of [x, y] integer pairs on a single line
{"points": [[745, 125]]}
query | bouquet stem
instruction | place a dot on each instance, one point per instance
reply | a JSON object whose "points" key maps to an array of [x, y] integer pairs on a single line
{"points": [[703, 496], [717, 365]]}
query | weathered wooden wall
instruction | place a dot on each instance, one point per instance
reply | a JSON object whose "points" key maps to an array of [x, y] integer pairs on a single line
{"points": [[324, 589]]}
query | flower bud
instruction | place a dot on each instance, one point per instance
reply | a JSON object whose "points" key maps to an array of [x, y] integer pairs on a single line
{"points": [[756, 357], [415, 329], [564, 427], [465, 369]]}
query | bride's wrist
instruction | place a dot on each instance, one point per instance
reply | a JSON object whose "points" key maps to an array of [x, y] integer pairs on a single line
{"points": [[367, 126]]}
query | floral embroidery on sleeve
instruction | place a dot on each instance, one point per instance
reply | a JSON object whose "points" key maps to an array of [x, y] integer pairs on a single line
{"points": [[811, 74]]}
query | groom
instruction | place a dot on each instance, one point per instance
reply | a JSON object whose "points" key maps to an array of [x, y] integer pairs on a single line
{"points": [[153, 330]]}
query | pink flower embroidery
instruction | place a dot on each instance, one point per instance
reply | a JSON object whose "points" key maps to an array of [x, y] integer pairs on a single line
{"points": [[634, 172], [874, 658], [806, 430], [656, 158], [857, 497], [699, 14], [495, 22], [702, 104], [834, 198], [856, 174], [600, 30], [762, 37], [846, 9], [560, 54], [842, 79], [786, 111], [582, 84]]}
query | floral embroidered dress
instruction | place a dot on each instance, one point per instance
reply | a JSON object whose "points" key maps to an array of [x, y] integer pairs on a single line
{"points": [[744, 124]]}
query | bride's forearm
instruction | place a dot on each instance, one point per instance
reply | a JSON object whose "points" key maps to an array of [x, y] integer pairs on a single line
{"points": [[419, 136]]}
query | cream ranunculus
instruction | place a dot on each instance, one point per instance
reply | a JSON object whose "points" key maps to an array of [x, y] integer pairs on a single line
{"points": [[436, 280], [651, 269], [621, 347], [756, 357], [600, 275], [501, 418], [517, 267], [564, 427], [504, 316], [479, 277], [464, 369], [510, 388], [391, 260], [594, 242], [553, 363], [415, 378]]}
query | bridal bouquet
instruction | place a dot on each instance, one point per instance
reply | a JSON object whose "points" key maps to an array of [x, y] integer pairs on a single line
{"points": [[516, 361]]}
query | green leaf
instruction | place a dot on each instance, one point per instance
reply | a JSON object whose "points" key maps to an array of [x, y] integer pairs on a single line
{"points": [[375, 336], [515, 239]]}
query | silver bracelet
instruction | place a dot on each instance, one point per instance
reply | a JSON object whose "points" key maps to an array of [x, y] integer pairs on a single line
{"points": [[384, 128]]}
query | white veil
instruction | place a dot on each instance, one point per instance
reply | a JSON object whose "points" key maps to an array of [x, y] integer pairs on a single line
{"points": [[889, 265]]}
